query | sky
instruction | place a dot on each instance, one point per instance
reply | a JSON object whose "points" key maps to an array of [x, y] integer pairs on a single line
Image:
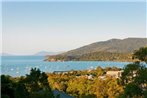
{"points": [[30, 27]]}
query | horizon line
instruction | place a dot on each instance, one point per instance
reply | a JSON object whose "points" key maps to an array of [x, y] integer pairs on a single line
{"points": [[33, 54]]}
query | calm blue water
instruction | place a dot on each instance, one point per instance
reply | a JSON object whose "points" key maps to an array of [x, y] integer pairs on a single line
{"points": [[21, 65]]}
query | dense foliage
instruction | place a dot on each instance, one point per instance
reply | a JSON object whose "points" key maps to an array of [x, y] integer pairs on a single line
{"points": [[106, 56], [77, 83], [134, 77], [141, 54], [34, 85], [95, 56]]}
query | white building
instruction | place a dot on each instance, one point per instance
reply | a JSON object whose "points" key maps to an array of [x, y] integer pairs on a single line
{"points": [[116, 74]]}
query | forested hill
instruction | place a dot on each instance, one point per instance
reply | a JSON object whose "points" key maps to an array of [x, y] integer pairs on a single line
{"points": [[127, 45], [110, 50]]}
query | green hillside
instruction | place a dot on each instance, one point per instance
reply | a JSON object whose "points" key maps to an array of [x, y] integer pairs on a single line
{"points": [[110, 50], [127, 45]]}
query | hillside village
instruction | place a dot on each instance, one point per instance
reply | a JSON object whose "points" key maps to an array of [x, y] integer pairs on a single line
{"points": [[112, 73]]}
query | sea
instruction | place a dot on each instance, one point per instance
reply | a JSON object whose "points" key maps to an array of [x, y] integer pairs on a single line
{"points": [[21, 65]]}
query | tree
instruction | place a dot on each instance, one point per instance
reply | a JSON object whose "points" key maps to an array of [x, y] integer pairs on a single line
{"points": [[132, 90], [134, 76], [141, 54], [37, 84], [80, 88], [108, 88], [130, 72], [100, 89], [7, 89], [21, 91], [33, 85], [100, 71]]}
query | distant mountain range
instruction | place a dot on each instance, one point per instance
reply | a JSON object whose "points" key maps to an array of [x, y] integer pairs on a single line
{"points": [[44, 53], [5, 54], [41, 53], [127, 45], [110, 50]]}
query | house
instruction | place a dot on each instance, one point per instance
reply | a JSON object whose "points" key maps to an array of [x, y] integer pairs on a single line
{"points": [[60, 72], [115, 74], [90, 77]]}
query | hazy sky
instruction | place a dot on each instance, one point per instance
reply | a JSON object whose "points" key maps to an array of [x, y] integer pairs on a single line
{"points": [[29, 27]]}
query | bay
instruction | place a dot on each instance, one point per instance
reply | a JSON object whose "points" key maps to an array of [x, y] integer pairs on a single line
{"points": [[21, 65]]}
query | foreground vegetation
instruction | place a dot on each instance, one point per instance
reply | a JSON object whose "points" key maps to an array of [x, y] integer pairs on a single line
{"points": [[81, 84], [34, 85], [77, 83]]}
